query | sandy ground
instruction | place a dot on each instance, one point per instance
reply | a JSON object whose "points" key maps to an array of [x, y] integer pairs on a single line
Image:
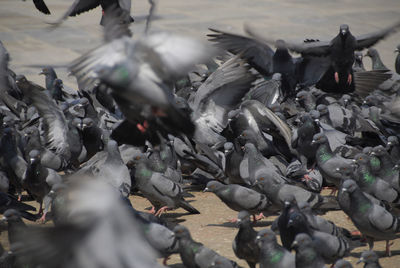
{"points": [[27, 37]]}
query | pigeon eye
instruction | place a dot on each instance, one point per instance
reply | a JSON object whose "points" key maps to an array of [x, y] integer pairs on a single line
{"points": [[261, 179]]}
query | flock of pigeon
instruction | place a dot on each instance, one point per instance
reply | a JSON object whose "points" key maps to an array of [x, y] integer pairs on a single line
{"points": [[163, 114]]}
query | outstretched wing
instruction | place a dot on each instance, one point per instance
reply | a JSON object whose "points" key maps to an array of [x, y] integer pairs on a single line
{"points": [[258, 54], [314, 48], [370, 39]]}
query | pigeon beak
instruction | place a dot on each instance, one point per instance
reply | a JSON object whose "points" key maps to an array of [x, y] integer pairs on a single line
{"points": [[258, 238], [354, 161], [313, 142], [296, 99], [52, 192], [389, 143], [294, 244], [226, 151], [206, 190], [4, 219], [396, 50], [337, 169], [372, 153], [344, 32], [41, 73], [33, 160], [360, 260], [290, 223], [344, 189]]}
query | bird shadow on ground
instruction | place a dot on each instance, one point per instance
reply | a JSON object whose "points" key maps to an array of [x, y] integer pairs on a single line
{"points": [[229, 224], [381, 253]]}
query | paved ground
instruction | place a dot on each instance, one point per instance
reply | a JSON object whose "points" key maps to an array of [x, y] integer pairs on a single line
{"points": [[29, 41]]}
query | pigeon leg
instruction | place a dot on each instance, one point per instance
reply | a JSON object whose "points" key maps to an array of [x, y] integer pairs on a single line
{"points": [[388, 244], [161, 211], [234, 220], [19, 197], [40, 208], [43, 218], [153, 210], [258, 217], [332, 188], [337, 77], [165, 261], [356, 233], [142, 127], [349, 79]]}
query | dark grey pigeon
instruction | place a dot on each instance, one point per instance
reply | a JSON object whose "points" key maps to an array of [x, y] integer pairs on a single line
{"points": [[328, 161], [373, 221], [244, 245], [272, 255], [306, 253], [370, 259], [377, 63], [239, 198], [162, 192]]}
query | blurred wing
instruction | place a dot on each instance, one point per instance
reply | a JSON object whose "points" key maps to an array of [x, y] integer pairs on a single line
{"points": [[172, 56], [370, 39], [312, 48], [86, 68], [41, 6], [114, 26], [56, 127], [258, 55], [77, 7], [368, 81]]}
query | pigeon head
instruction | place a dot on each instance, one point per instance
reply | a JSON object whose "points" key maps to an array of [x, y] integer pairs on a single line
{"points": [[246, 136], [368, 256], [315, 115], [359, 56], [48, 71], [57, 188], [371, 52], [280, 44], [302, 95], [87, 123], [378, 150], [342, 264], [228, 147], [243, 218], [345, 99], [77, 122], [319, 138], [8, 121], [277, 77], [345, 172], [213, 186], [322, 109], [344, 29], [361, 159], [296, 219], [349, 186], [367, 150], [181, 232], [31, 131], [34, 156], [301, 240], [249, 147], [392, 140], [266, 235], [11, 215]]}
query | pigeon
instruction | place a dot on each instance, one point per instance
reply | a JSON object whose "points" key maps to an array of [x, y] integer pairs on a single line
{"points": [[15, 225], [244, 244], [358, 63], [370, 259], [306, 253], [233, 157], [162, 192], [194, 254], [373, 221], [239, 198], [373, 185], [271, 253], [327, 161], [377, 63]]}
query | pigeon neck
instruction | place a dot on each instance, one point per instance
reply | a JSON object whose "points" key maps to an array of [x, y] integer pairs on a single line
{"points": [[360, 204], [324, 152]]}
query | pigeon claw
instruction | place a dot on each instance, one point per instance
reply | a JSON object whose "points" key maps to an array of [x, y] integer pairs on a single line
{"points": [[161, 211], [258, 217], [337, 77], [388, 252], [143, 127], [349, 79]]}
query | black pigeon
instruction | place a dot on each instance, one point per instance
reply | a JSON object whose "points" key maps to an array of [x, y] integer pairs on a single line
{"points": [[10, 202], [50, 76], [244, 245]]}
